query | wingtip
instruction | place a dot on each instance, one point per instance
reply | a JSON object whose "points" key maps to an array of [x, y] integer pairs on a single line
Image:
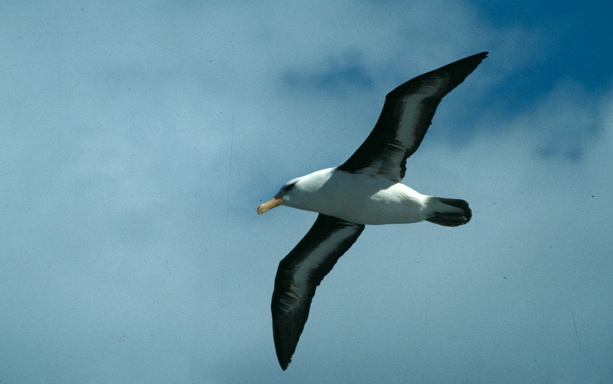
{"points": [[480, 56], [284, 365], [284, 346], [283, 357]]}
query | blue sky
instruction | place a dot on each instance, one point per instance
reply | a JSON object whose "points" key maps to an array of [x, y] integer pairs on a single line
{"points": [[138, 139]]}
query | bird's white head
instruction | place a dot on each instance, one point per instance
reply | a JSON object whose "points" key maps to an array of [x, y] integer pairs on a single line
{"points": [[301, 192], [283, 196]]}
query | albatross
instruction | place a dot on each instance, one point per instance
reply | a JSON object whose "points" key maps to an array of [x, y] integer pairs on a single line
{"points": [[365, 190]]}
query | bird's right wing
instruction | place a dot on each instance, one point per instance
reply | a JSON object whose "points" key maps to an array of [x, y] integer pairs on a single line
{"points": [[300, 272]]}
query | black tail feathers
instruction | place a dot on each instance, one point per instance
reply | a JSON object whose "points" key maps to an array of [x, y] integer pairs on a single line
{"points": [[448, 212]]}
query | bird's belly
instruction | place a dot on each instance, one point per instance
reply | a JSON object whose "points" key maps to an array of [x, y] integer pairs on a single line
{"points": [[393, 204]]}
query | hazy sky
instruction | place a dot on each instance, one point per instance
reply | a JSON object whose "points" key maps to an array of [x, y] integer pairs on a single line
{"points": [[138, 138]]}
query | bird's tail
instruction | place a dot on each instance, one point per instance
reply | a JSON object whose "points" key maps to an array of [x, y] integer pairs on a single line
{"points": [[448, 212]]}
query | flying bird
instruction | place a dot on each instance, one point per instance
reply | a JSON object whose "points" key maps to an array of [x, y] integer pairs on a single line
{"points": [[366, 189]]}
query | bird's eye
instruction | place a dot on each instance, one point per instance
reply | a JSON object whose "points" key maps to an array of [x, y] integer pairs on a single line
{"points": [[288, 188]]}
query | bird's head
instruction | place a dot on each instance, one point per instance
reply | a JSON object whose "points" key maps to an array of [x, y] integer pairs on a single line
{"points": [[283, 197]]}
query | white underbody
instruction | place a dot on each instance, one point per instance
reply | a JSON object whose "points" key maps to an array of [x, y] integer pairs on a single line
{"points": [[359, 198]]}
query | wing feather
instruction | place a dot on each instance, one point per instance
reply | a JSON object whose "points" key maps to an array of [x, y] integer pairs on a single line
{"points": [[405, 118], [299, 274]]}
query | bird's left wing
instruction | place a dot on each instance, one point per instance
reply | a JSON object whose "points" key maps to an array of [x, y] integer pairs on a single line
{"points": [[405, 118], [300, 272]]}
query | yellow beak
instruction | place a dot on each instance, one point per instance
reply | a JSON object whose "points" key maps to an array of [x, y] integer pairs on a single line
{"points": [[274, 202]]}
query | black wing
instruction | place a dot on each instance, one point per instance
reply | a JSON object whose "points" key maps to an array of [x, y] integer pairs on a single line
{"points": [[300, 272], [405, 118]]}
